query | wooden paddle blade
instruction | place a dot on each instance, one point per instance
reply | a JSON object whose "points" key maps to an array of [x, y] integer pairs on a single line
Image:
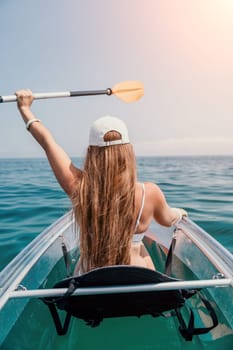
{"points": [[128, 91]]}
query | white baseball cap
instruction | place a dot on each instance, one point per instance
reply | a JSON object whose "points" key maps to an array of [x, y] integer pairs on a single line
{"points": [[103, 125]]}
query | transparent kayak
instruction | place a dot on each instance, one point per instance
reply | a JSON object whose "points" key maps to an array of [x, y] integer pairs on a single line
{"points": [[197, 261]]}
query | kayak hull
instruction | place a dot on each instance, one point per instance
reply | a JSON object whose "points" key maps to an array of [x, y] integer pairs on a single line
{"points": [[25, 323]]}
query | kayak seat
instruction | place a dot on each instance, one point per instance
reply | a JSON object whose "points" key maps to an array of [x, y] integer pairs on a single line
{"points": [[94, 307]]}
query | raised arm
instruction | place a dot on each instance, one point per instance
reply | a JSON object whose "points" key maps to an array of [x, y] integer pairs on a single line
{"points": [[66, 173]]}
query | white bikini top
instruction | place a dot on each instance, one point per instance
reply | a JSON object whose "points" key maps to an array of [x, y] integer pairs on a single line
{"points": [[138, 237]]}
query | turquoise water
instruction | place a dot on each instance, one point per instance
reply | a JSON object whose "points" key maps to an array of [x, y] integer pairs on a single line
{"points": [[30, 198]]}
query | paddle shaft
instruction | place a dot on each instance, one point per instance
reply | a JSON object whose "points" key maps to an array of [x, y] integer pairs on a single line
{"points": [[46, 95]]}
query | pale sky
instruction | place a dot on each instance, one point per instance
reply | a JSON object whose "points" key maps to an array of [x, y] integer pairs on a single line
{"points": [[181, 50]]}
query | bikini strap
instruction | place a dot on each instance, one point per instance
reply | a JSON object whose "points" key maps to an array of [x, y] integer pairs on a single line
{"points": [[142, 206]]}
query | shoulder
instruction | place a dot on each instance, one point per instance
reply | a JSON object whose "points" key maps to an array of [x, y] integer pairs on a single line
{"points": [[73, 180], [152, 188], [152, 191]]}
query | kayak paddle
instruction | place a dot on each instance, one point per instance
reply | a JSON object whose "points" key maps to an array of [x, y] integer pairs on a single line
{"points": [[128, 91]]}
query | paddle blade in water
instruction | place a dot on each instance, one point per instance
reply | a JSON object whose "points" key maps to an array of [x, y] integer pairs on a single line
{"points": [[128, 91]]}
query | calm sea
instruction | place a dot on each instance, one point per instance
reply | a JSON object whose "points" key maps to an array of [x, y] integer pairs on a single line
{"points": [[30, 198]]}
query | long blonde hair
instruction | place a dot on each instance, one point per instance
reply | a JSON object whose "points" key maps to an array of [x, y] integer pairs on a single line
{"points": [[104, 204]]}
